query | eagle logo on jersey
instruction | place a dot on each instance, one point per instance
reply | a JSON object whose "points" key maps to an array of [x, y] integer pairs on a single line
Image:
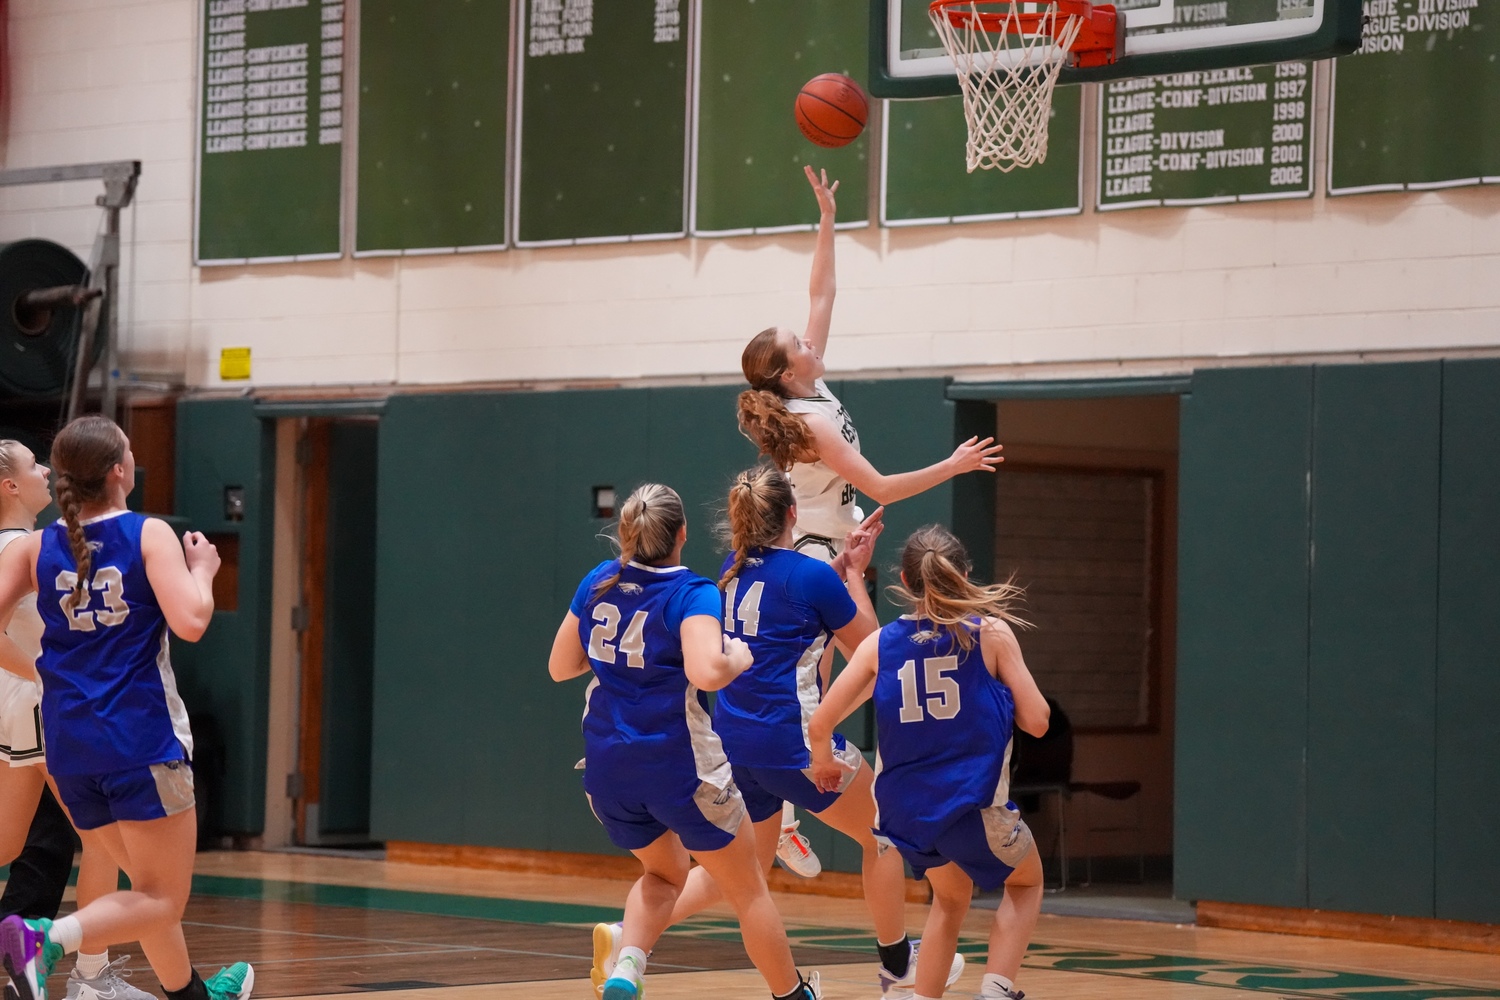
{"points": [[95, 546], [753, 562], [923, 637], [630, 588]]}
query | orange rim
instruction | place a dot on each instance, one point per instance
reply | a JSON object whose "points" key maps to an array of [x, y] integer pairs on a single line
{"points": [[1099, 40]]}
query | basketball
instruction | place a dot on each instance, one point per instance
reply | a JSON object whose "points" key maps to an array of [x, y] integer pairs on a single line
{"points": [[832, 110]]}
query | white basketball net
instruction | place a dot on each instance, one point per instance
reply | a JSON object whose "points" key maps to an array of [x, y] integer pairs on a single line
{"points": [[1008, 76]]}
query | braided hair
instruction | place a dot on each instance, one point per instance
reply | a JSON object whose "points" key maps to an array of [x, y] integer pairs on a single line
{"points": [[83, 453]]}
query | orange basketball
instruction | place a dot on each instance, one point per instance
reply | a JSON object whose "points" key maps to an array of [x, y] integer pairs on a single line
{"points": [[832, 110]]}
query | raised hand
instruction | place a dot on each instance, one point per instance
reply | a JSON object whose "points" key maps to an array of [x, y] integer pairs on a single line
{"points": [[859, 544], [822, 189], [975, 455], [198, 551]]}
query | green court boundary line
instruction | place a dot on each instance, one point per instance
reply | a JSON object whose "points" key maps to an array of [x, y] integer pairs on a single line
{"points": [[1288, 981]]}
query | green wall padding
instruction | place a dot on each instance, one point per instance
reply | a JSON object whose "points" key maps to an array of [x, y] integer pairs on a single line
{"points": [[467, 604], [1467, 819], [221, 443], [1373, 638], [1241, 784]]}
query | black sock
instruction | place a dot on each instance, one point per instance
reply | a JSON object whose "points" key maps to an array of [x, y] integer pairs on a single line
{"points": [[896, 957], [800, 993], [194, 990]]}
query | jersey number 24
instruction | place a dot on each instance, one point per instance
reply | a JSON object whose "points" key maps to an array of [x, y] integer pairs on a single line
{"points": [[607, 624], [111, 587]]}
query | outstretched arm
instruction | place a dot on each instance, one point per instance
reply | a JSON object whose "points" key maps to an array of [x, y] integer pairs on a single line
{"points": [[823, 285], [839, 455]]}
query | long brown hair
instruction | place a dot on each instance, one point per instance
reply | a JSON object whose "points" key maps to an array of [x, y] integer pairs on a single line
{"points": [[82, 455], [760, 501], [647, 530], [936, 569], [777, 432]]}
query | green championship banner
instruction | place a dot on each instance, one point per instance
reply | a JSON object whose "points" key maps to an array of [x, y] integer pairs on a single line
{"points": [[1418, 106], [270, 157], [1206, 137]]}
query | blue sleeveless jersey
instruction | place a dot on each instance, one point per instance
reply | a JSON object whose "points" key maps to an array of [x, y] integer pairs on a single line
{"points": [[109, 698], [944, 733], [642, 715], [785, 606]]}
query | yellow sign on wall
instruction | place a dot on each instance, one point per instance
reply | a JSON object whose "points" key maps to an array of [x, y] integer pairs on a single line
{"points": [[234, 364]]}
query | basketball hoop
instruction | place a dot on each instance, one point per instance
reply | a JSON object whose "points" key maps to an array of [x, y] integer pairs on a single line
{"points": [[1009, 54]]}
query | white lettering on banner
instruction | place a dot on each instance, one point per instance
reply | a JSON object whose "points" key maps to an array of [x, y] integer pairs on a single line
{"points": [[559, 27], [256, 98], [1238, 94], [1144, 154], [1388, 23]]}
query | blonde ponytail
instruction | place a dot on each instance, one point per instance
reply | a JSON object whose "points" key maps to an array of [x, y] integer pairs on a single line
{"points": [[936, 569], [647, 530]]}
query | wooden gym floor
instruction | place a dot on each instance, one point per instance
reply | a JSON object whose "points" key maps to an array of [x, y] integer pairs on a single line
{"points": [[317, 926]]}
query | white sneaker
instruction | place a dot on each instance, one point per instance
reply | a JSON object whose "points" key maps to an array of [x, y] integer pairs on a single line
{"points": [[110, 984], [905, 987], [796, 854], [814, 986], [607, 939]]}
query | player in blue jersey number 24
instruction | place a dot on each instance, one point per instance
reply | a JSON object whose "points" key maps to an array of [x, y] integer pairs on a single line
{"points": [[651, 631], [949, 683]]}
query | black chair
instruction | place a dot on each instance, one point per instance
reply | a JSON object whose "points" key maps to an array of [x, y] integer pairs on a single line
{"points": [[1044, 766]]}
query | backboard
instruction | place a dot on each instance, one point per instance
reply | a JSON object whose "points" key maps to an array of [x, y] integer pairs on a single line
{"points": [[1161, 36]]}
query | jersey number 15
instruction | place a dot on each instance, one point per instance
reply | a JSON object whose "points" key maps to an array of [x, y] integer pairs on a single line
{"points": [[942, 701]]}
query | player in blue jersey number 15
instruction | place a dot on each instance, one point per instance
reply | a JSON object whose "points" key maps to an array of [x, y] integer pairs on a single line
{"points": [[110, 585], [949, 683]]}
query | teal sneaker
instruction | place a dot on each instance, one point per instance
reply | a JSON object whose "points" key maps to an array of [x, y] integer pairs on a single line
{"points": [[620, 988], [233, 983], [29, 955]]}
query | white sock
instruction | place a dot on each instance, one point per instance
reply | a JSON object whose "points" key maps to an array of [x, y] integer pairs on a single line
{"points": [[89, 966], [918, 996], [631, 966], [67, 932], [992, 984]]}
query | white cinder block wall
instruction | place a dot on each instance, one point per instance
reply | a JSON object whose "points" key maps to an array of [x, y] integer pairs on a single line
{"points": [[1152, 290]]}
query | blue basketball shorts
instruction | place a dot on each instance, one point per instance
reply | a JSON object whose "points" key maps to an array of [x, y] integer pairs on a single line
{"points": [[705, 816], [139, 794], [766, 788], [986, 844]]}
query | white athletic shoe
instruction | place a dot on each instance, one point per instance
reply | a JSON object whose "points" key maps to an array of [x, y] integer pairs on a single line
{"points": [[607, 938], [110, 984], [905, 987], [796, 854]]}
